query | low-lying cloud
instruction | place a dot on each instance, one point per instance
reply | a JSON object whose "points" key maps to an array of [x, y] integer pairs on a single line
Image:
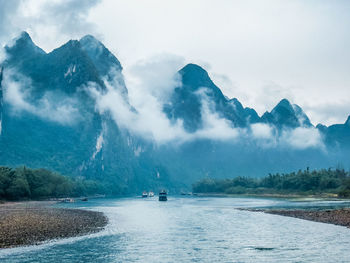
{"points": [[150, 86], [143, 115], [302, 137], [214, 126], [17, 92]]}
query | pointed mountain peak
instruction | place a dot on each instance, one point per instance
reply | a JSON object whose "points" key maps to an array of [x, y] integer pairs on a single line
{"points": [[71, 43], [71, 49], [321, 127], [285, 103], [267, 117], [25, 36], [252, 115], [89, 38], [237, 104], [23, 41], [283, 106], [196, 70], [235, 101], [196, 77], [68, 51], [193, 67], [100, 55], [91, 44], [347, 121], [287, 114], [23, 47]]}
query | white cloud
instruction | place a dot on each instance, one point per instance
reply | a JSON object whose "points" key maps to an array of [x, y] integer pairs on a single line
{"points": [[142, 112], [155, 75], [150, 85], [18, 91], [296, 50], [148, 120], [48, 21], [214, 127], [328, 113], [302, 138], [262, 131], [300, 45]]}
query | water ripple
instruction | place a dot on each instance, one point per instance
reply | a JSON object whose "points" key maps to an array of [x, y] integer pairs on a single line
{"points": [[194, 230]]}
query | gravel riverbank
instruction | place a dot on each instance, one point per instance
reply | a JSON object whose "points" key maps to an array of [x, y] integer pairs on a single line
{"points": [[29, 223], [331, 216]]}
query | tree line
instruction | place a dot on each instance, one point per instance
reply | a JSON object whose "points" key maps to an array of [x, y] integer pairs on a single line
{"points": [[335, 181], [25, 183]]}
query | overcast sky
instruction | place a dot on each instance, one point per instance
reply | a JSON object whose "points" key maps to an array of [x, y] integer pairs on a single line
{"points": [[257, 51]]}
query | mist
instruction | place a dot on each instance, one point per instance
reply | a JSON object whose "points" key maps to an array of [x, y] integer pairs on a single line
{"points": [[52, 106], [48, 21], [150, 84]]}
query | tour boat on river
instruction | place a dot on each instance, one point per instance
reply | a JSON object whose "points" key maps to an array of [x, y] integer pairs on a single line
{"points": [[163, 195]]}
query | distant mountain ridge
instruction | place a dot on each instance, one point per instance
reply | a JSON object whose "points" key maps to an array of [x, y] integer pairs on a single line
{"points": [[91, 146], [186, 104], [95, 146], [186, 101], [286, 114]]}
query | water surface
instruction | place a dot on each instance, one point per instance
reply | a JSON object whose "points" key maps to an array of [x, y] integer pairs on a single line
{"points": [[194, 229]]}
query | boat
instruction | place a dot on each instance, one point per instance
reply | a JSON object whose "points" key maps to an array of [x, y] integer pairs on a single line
{"points": [[150, 194], [144, 194], [68, 200], [162, 195]]}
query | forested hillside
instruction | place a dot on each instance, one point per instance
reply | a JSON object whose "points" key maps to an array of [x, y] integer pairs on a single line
{"points": [[302, 182]]}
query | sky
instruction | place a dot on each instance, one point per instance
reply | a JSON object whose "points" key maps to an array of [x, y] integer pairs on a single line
{"points": [[257, 51]]}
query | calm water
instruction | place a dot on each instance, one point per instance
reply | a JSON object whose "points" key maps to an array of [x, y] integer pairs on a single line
{"points": [[196, 230]]}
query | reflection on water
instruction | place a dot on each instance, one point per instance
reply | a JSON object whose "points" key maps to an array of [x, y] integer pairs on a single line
{"points": [[196, 230]]}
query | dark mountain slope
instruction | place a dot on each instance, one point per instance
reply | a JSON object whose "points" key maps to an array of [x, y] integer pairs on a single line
{"points": [[92, 145], [337, 135], [197, 88], [286, 115]]}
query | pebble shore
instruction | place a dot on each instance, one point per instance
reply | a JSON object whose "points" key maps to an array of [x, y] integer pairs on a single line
{"points": [[31, 223], [331, 216]]}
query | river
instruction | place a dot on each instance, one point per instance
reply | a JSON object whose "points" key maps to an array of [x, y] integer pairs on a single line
{"points": [[195, 229]]}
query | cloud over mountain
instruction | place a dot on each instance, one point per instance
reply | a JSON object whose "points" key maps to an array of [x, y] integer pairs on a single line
{"points": [[78, 104]]}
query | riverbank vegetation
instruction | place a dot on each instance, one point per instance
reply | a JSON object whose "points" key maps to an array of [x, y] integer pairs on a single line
{"points": [[316, 182], [24, 183]]}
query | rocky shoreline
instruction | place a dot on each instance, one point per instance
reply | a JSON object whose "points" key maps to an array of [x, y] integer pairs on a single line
{"points": [[330, 216], [30, 223]]}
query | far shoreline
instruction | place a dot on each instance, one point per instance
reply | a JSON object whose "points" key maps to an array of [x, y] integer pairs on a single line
{"points": [[334, 216], [328, 196], [27, 223]]}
